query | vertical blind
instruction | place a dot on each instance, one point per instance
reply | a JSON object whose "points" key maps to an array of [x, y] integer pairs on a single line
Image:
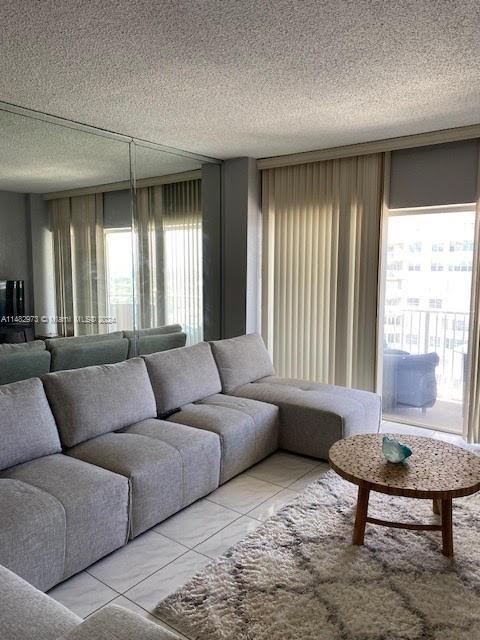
{"points": [[321, 227], [169, 233]]}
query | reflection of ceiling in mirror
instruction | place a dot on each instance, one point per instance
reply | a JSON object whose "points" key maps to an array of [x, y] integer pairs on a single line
{"points": [[40, 157]]}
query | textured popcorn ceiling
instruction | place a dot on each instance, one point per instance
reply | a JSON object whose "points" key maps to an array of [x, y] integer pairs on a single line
{"points": [[246, 77]]}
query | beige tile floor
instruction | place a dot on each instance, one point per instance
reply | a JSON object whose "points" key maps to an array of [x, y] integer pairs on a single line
{"points": [[160, 561]]}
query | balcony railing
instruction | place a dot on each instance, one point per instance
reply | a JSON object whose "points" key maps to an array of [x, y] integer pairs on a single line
{"points": [[426, 331]]}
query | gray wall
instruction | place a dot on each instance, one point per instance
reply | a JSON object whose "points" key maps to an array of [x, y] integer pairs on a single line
{"points": [[212, 251], [15, 249], [241, 247]]}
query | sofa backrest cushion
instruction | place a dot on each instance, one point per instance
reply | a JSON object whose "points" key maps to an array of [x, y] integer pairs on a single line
{"points": [[27, 427], [21, 347], [181, 376], [74, 340], [241, 360], [74, 356], [95, 400], [21, 365]]}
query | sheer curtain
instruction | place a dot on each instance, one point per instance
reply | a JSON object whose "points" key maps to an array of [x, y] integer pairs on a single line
{"points": [[321, 228], [59, 211], [472, 415], [79, 249], [88, 261], [149, 234], [169, 239]]}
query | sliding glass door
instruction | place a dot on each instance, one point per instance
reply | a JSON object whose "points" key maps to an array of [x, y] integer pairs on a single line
{"points": [[427, 275]]}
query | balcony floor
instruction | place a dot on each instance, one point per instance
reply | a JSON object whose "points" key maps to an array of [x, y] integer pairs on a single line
{"points": [[443, 415]]}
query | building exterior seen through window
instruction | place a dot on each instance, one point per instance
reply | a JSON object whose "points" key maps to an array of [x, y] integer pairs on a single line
{"points": [[426, 316]]}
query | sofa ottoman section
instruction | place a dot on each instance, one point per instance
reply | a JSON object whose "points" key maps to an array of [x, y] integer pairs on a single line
{"points": [[95, 501], [199, 452], [152, 468], [32, 533]]}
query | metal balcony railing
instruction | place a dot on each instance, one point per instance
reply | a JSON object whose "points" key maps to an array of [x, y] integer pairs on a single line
{"points": [[420, 331]]}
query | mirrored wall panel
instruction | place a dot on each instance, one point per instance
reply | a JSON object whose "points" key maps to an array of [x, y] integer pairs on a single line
{"points": [[168, 249], [101, 247]]}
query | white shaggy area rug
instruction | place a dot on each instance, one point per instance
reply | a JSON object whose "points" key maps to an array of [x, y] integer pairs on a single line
{"points": [[298, 577]]}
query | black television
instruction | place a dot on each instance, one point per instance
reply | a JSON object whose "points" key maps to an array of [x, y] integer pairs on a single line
{"points": [[12, 300]]}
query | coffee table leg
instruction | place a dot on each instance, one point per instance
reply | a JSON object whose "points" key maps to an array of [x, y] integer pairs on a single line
{"points": [[447, 529], [437, 506], [361, 515]]}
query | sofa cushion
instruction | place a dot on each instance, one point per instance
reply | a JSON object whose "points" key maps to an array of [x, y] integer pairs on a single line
{"points": [[199, 451], [76, 340], [27, 427], [22, 365], [241, 360], [153, 469], [21, 347], [117, 623], [182, 375], [95, 400], [95, 501], [313, 415], [32, 533], [28, 614], [76, 356], [248, 430]]}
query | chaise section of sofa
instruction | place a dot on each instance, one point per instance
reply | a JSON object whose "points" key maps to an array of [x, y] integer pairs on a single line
{"points": [[312, 415], [106, 416], [186, 381], [28, 614], [59, 515]]}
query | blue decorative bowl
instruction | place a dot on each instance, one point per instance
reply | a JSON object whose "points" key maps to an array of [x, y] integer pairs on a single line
{"points": [[395, 451]]}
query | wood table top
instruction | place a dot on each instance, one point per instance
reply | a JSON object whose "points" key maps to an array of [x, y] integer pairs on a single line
{"points": [[436, 469]]}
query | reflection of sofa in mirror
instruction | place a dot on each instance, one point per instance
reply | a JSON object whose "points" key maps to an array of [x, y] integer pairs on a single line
{"points": [[33, 359], [23, 360], [85, 351], [156, 339], [409, 380]]}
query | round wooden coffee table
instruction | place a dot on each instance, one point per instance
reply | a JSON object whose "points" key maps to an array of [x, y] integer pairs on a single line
{"points": [[436, 470]]}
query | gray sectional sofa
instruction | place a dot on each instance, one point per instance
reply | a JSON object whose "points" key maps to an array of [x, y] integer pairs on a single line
{"points": [[93, 457], [28, 614]]}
